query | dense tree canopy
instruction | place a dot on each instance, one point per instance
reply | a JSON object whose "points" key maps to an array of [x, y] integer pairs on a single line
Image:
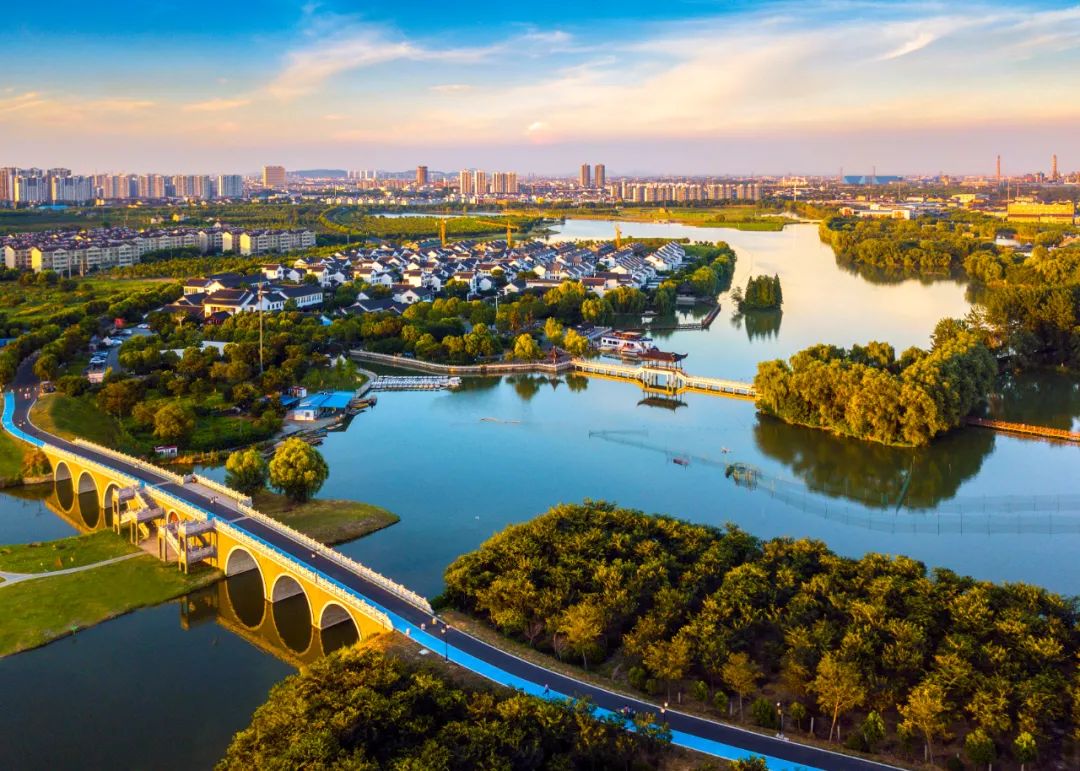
{"points": [[1030, 303], [868, 393], [762, 293], [366, 710], [677, 603]]}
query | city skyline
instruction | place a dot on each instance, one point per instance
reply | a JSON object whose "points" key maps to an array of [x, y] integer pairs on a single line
{"points": [[688, 88]]}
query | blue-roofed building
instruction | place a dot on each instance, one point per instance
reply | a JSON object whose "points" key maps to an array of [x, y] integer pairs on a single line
{"points": [[323, 404]]}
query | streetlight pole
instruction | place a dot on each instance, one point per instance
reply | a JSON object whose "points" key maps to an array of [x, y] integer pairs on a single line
{"points": [[261, 371], [780, 712], [446, 644]]}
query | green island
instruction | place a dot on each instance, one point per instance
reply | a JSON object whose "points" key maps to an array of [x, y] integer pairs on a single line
{"points": [[43, 609], [869, 393], [327, 520], [763, 293], [879, 652], [382, 706]]}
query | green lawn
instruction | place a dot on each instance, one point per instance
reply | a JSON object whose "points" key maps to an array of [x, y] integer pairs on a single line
{"points": [[71, 417], [71, 552], [327, 521], [39, 611], [11, 457]]}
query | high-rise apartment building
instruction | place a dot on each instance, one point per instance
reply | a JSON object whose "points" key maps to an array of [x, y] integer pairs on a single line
{"points": [[7, 184], [466, 185], [274, 177], [480, 182], [422, 178], [600, 177], [151, 186], [585, 179], [31, 186], [65, 187], [504, 182], [230, 186]]}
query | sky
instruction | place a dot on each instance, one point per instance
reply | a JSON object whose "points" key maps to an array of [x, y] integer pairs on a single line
{"points": [[675, 87]]}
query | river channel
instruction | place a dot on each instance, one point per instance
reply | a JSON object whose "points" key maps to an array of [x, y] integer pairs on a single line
{"points": [[167, 687]]}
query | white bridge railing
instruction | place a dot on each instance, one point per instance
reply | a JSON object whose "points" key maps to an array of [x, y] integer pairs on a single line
{"points": [[228, 492], [139, 462], [334, 555]]}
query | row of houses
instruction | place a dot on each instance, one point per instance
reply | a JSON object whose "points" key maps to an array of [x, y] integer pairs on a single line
{"points": [[411, 275], [84, 251], [217, 297], [483, 267]]}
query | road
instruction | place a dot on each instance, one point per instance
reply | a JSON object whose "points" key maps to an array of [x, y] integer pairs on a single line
{"points": [[494, 663]]}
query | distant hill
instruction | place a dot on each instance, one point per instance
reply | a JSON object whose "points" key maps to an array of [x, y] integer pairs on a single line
{"points": [[320, 173]]}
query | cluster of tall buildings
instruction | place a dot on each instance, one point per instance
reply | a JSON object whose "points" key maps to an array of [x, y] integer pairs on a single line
{"points": [[477, 182], [590, 178], [649, 192], [28, 187]]}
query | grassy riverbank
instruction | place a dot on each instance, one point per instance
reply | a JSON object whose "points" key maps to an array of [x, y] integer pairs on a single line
{"points": [[12, 453], [39, 611], [328, 521], [70, 417], [74, 552]]}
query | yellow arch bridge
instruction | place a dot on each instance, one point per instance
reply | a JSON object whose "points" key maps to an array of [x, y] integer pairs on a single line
{"points": [[191, 520]]}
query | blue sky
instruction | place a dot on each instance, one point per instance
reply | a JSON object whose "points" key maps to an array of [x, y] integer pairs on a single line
{"points": [[681, 87]]}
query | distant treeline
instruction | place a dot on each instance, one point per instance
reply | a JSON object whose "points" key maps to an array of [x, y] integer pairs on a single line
{"points": [[1028, 305]]}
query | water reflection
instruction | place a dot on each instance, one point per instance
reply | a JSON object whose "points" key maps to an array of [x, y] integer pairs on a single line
{"points": [[760, 325], [888, 276], [873, 474], [283, 629], [1045, 398]]}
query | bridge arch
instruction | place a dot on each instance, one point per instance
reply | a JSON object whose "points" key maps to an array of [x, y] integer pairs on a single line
{"points": [[87, 495], [108, 496], [64, 486], [337, 628], [291, 611], [240, 560], [285, 586]]}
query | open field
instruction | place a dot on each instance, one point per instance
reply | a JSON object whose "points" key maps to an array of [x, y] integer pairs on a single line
{"points": [[79, 550], [45, 609]]}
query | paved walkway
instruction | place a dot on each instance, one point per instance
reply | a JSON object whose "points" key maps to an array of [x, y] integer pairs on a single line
{"points": [[10, 579]]}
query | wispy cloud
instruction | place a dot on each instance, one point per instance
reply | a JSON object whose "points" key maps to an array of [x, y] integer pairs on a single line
{"points": [[216, 105], [450, 88], [358, 48]]}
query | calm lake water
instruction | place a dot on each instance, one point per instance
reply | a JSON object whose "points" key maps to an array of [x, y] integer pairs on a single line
{"points": [[458, 467]]}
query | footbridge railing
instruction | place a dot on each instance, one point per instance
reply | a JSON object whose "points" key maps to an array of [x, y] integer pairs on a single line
{"points": [[337, 557]]}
